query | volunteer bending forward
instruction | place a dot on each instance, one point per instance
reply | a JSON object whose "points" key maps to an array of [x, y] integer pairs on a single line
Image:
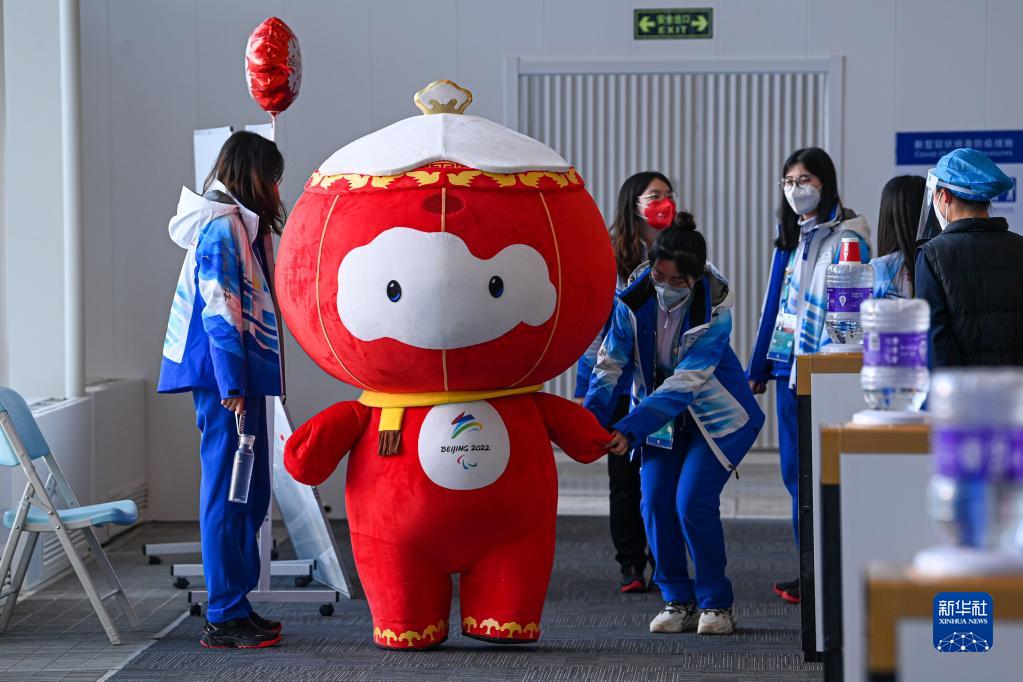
{"points": [[693, 420]]}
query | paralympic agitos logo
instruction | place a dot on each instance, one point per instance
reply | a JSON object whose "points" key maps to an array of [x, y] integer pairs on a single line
{"points": [[465, 423]]}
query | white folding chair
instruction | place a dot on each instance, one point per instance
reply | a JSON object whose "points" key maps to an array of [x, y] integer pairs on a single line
{"points": [[36, 513]]}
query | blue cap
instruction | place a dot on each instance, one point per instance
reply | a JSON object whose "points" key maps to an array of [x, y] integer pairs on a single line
{"points": [[971, 175]]}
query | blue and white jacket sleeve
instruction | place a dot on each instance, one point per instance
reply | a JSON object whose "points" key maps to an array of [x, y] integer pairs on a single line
{"points": [[759, 366], [584, 368], [219, 273], [615, 359], [676, 394]]}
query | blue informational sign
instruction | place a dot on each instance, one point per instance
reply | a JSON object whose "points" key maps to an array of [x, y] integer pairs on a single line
{"points": [[964, 622], [916, 153], [916, 149]]}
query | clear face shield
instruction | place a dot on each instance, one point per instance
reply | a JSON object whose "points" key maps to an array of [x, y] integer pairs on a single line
{"points": [[928, 226]]}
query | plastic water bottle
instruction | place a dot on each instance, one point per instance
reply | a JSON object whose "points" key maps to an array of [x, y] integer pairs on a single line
{"points": [[244, 459], [849, 284], [894, 375], [975, 497]]}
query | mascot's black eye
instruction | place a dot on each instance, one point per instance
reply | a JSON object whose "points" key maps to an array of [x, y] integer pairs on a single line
{"points": [[393, 291], [496, 287]]}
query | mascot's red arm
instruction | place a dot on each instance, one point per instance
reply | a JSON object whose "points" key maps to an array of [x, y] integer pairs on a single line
{"points": [[315, 449], [572, 428]]}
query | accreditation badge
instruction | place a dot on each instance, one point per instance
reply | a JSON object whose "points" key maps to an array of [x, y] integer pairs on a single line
{"points": [[783, 338], [664, 437]]}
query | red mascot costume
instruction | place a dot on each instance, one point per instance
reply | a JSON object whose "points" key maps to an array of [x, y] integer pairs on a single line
{"points": [[447, 266]]}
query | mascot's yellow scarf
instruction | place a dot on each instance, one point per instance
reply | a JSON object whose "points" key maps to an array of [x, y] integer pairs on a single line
{"points": [[392, 408]]}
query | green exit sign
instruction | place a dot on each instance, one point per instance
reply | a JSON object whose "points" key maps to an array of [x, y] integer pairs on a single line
{"points": [[661, 24]]}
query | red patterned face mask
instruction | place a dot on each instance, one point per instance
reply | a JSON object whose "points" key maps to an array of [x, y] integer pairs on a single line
{"points": [[659, 214]]}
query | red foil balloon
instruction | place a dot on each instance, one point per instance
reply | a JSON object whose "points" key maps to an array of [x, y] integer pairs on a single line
{"points": [[273, 66]]}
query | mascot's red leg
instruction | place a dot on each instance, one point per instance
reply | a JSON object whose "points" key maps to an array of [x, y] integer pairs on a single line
{"points": [[502, 596], [409, 597]]}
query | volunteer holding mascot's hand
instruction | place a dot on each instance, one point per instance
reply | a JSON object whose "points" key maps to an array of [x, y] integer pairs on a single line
{"points": [[694, 418]]}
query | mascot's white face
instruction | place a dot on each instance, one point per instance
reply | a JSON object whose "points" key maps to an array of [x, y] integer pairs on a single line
{"points": [[427, 290]]}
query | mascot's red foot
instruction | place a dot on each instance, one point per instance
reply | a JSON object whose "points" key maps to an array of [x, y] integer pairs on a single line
{"points": [[503, 632], [398, 637]]}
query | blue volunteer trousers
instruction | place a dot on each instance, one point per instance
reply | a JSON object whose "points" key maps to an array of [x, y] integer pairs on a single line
{"points": [[788, 446], [230, 552], [681, 504]]}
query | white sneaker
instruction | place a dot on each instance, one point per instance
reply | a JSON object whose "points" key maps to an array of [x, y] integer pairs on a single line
{"points": [[716, 622], [676, 617]]}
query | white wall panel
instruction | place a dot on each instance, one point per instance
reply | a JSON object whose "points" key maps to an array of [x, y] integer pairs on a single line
{"points": [[780, 28], [593, 28], [4, 352], [695, 123], [154, 66], [865, 33], [118, 453], [33, 214], [486, 32], [943, 61], [97, 190], [1004, 58]]}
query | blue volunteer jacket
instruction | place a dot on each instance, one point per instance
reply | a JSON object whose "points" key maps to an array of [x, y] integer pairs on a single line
{"points": [[584, 368], [709, 382], [811, 300], [890, 278], [223, 330], [760, 368]]}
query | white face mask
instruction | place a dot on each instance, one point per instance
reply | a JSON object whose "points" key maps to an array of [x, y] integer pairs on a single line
{"points": [[942, 220], [668, 296], [803, 199]]}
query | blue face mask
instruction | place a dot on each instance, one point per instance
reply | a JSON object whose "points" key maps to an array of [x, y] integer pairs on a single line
{"points": [[668, 296]]}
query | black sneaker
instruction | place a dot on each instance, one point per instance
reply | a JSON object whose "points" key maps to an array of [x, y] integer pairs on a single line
{"points": [[632, 580], [241, 633], [788, 590], [265, 623]]}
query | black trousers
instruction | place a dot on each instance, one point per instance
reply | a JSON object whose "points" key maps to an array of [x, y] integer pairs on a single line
{"points": [[627, 532]]}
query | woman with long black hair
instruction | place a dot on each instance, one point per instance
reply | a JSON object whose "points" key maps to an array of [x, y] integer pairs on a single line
{"points": [[646, 205], [812, 222], [897, 223]]}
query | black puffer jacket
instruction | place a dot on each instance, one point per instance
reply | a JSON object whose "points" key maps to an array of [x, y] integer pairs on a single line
{"points": [[972, 277]]}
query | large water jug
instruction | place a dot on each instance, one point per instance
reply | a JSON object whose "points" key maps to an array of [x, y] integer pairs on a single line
{"points": [[849, 283], [975, 497], [895, 345]]}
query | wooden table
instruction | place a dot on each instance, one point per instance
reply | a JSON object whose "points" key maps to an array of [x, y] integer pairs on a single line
{"points": [[828, 392], [873, 508]]}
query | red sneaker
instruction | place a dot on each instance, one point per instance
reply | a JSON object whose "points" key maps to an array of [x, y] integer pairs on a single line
{"points": [[632, 580], [788, 590]]}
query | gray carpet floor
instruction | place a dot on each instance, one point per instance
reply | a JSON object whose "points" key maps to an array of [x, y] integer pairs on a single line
{"points": [[590, 631]]}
